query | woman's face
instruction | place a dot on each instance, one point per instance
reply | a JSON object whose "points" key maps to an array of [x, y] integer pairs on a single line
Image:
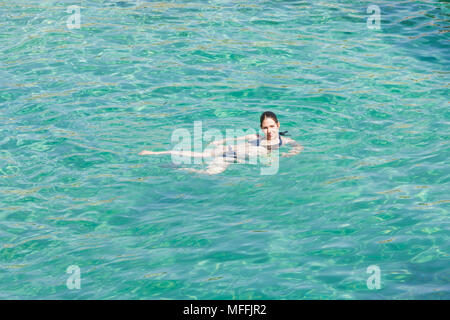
{"points": [[270, 128]]}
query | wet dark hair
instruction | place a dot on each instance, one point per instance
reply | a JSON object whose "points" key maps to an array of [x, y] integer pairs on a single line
{"points": [[271, 115]]}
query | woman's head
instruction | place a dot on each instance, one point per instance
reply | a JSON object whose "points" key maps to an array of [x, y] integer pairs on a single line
{"points": [[269, 125]]}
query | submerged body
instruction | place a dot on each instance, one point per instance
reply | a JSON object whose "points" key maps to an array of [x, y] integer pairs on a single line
{"points": [[254, 147]]}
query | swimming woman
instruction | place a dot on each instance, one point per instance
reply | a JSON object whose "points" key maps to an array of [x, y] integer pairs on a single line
{"points": [[254, 145]]}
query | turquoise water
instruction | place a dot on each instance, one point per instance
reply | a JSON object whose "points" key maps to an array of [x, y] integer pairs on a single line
{"points": [[370, 188]]}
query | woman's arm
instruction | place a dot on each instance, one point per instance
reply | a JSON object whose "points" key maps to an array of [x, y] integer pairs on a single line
{"points": [[296, 148]]}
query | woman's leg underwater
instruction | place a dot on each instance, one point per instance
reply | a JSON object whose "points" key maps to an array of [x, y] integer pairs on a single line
{"points": [[217, 165]]}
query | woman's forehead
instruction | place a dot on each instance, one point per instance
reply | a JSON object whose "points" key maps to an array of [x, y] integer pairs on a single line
{"points": [[268, 122]]}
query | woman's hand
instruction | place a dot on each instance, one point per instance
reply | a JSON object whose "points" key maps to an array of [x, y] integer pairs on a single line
{"points": [[295, 150], [287, 154], [145, 152]]}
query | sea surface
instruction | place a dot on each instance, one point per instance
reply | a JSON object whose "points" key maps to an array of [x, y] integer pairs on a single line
{"points": [[369, 195]]}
